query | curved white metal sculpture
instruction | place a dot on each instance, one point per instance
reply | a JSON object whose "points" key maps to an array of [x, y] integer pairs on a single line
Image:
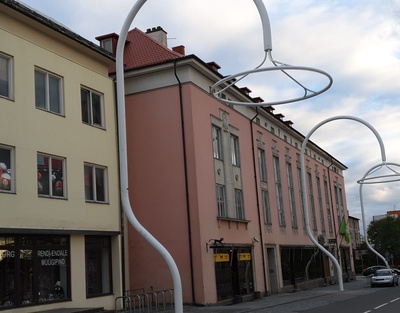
{"points": [[304, 184], [222, 85], [368, 179], [122, 128], [124, 161]]}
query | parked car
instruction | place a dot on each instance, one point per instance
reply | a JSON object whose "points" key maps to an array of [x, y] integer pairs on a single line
{"points": [[371, 270], [384, 277], [397, 271]]}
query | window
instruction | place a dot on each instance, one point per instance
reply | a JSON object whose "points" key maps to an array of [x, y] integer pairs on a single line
{"points": [[235, 151], [278, 190], [6, 169], [48, 92], [98, 265], [217, 143], [239, 204], [299, 174], [221, 200], [262, 164], [328, 206], [34, 269], [6, 79], [92, 107], [95, 183], [321, 207], [51, 176], [107, 44], [266, 207], [292, 202], [312, 204]]}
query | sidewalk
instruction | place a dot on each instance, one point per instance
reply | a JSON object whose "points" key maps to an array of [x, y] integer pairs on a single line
{"points": [[292, 302]]}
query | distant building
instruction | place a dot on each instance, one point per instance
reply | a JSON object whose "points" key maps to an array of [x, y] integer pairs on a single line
{"points": [[60, 243], [219, 185], [354, 229]]}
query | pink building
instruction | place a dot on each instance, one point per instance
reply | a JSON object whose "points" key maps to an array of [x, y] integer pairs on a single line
{"points": [[219, 185]]}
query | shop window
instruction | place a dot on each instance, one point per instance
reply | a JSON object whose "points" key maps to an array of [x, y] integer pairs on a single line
{"points": [[33, 270], [6, 72], [48, 92], [6, 169], [233, 272], [51, 176], [98, 266], [95, 183], [92, 107]]}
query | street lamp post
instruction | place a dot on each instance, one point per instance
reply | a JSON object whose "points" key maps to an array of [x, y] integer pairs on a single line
{"points": [[304, 185], [377, 179]]}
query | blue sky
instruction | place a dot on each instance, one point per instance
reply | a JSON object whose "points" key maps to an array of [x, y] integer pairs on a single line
{"points": [[356, 41]]}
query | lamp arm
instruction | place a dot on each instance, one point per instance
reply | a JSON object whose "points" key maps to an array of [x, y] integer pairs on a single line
{"points": [[265, 24]]}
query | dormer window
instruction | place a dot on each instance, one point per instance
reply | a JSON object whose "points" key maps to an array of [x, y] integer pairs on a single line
{"points": [[107, 44]]}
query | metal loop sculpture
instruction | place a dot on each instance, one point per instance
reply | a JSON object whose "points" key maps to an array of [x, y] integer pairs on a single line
{"points": [[218, 89]]}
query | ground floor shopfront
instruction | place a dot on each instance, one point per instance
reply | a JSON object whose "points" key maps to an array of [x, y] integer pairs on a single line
{"points": [[54, 270], [287, 268]]}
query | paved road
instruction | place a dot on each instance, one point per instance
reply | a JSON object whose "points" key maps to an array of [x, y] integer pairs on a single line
{"points": [[294, 302]]}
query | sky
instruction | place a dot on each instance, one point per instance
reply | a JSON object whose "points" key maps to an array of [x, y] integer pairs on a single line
{"points": [[356, 41]]}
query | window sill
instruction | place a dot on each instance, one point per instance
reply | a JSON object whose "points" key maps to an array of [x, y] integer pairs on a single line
{"points": [[231, 221]]}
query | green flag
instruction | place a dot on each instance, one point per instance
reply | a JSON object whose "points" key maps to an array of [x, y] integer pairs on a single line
{"points": [[343, 231]]}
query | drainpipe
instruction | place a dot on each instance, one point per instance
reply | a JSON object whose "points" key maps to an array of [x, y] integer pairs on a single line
{"points": [[258, 203], [124, 161], [186, 184]]}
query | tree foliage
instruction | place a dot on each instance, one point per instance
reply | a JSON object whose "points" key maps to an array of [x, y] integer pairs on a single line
{"points": [[385, 234]]}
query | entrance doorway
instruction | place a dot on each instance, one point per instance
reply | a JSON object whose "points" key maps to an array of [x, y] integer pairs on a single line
{"points": [[233, 272], [272, 270]]}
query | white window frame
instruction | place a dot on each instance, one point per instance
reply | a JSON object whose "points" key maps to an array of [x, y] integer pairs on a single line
{"points": [[52, 193], [221, 200], [90, 108], [235, 151], [321, 206], [217, 142], [263, 165], [9, 76], [47, 103], [239, 204], [7, 177], [93, 168], [278, 190], [292, 201]]}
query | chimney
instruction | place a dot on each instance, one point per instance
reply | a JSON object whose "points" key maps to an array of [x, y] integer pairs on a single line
{"points": [[158, 34], [179, 49]]}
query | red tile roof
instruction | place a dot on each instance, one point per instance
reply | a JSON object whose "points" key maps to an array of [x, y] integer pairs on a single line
{"points": [[142, 50]]}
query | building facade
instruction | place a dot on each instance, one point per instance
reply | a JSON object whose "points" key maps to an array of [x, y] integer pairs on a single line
{"points": [[60, 243], [219, 185]]}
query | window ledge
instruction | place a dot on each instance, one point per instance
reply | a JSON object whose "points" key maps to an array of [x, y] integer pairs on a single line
{"points": [[231, 221]]}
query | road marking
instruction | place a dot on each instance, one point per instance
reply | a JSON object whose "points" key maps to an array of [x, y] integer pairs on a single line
{"points": [[379, 306], [394, 300], [367, 311]]}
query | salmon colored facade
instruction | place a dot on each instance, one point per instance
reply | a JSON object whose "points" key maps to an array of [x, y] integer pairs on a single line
{"points": [[219, 186]]}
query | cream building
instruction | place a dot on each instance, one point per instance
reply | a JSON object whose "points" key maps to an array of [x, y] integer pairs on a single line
{"points": [[60, 243]]}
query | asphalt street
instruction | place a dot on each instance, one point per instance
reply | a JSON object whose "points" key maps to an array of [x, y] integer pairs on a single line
{"points": [[294, 302]]}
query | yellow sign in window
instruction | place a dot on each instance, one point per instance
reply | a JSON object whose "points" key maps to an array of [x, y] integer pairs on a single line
{"points": [[244, 256], [221, 257]]}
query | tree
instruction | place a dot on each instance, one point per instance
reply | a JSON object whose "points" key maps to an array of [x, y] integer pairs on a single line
{"points": [[385, 234]]}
